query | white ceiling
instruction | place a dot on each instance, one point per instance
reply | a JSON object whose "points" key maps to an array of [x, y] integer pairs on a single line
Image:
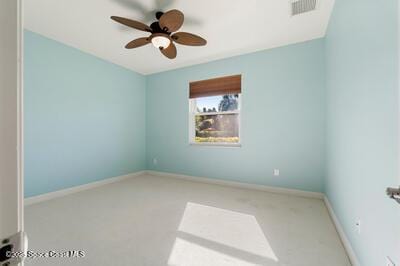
{"points": [[231, 27]]}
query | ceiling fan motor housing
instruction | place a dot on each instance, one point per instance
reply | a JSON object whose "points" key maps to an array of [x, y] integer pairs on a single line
{"points": [[155, 26], [159, 14]]}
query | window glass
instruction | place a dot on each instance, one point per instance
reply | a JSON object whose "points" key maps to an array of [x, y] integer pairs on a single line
{"points": [[222, 128], [215, 119], [222, 103]]}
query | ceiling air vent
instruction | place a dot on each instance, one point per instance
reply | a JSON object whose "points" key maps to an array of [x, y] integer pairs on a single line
{"points": [[302, 6]]}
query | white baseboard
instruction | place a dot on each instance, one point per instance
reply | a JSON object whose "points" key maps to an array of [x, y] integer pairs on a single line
{"points": [[67, 191], [308, 194], [294, 192], [346, 243]]}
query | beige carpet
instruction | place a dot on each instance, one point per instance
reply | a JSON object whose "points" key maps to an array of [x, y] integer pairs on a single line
{"points": [[165, 221]]}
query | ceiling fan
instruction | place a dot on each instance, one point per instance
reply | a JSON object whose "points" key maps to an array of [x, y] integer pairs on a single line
{"points": [[162, 33]]}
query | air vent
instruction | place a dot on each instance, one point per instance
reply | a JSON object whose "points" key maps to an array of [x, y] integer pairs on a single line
{"points": [[303, 6]]}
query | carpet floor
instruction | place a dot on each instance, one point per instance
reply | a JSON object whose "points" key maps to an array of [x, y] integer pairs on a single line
{"points": [[151, 221]]}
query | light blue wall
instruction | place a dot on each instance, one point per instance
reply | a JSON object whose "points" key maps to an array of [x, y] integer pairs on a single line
{"points": [[84, 117], [282, 122], [362, 125]]}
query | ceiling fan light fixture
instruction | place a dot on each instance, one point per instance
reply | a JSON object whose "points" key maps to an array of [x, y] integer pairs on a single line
{"points": [[160, 42]]}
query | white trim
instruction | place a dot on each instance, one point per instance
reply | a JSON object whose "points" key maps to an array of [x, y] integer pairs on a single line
{"points": [[20, 116], [218, 113], [293, 192], [72, 190], [191, 117], [398, 88], [221, 144], [346, 243]]}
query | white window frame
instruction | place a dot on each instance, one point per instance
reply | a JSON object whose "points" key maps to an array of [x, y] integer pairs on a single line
{"points": [[192, 127]]}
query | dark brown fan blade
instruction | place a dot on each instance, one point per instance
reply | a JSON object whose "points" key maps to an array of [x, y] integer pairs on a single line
{"points": [[132, 23], [137, 43], [186, 38], [170, 51], [172, 20]]}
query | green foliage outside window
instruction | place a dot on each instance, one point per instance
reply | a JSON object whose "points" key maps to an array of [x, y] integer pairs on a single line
{"points": [[219, 127]]}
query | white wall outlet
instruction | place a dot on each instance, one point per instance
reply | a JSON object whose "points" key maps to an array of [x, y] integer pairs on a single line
{"points": [[276, 172], [389, 262], [155, 161], [358, 227]]}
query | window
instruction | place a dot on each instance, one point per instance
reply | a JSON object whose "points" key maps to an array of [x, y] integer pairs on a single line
{"points": [[214, 111]]}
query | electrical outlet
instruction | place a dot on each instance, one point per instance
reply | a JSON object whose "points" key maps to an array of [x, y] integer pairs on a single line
{"points": [[389, 262], [155, 161], [358, 227], [276, 172]]}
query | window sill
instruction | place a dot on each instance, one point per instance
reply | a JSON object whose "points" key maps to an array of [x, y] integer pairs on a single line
{"points": [[237, 145]]}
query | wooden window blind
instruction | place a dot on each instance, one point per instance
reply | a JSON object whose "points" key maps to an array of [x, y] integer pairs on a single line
{"points": [[216, 86]]}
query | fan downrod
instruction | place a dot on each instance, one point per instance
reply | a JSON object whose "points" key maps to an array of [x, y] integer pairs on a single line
{"points": [[159, 14]]}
